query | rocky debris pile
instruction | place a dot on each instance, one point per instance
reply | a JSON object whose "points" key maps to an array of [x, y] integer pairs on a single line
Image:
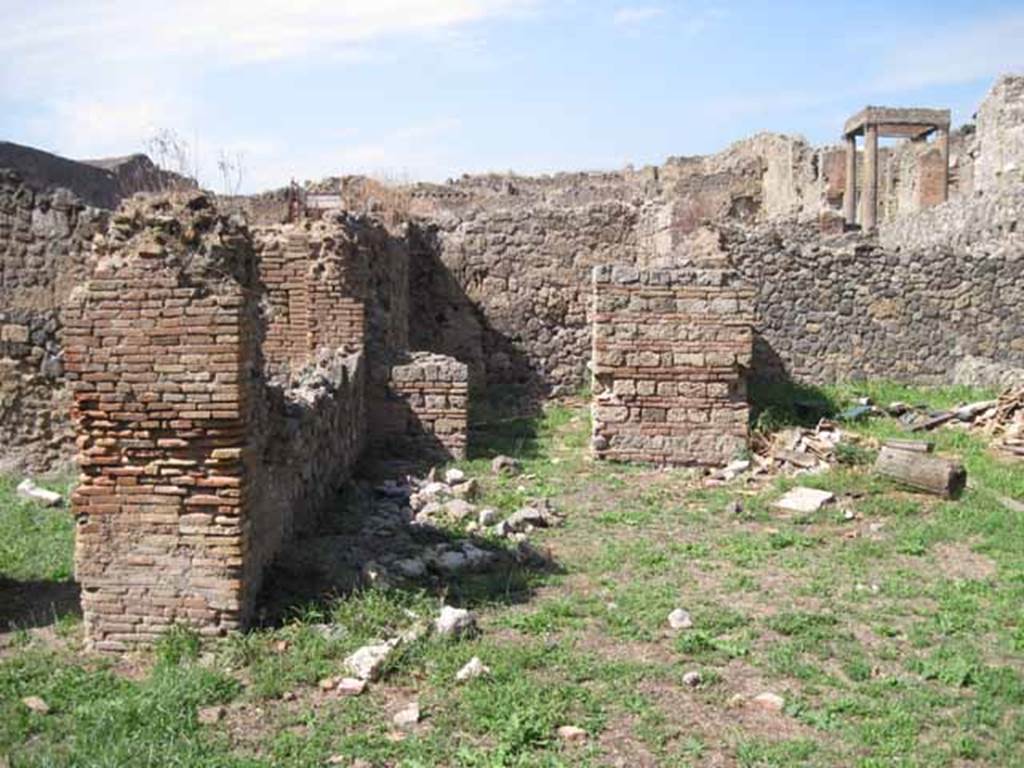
{"points": [[1005, 421], [793, 451], [368, 663], [426, 509], [1002, 418]]}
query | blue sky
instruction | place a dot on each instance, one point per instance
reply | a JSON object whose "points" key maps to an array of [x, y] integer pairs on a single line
{"points": [[428, 89]]}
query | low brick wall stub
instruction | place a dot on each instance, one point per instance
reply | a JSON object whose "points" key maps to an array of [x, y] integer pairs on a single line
{"points": [[670, 351], [424, 410]]}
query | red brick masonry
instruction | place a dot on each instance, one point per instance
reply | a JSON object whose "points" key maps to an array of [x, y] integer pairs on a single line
{"points": [[670, 352]]}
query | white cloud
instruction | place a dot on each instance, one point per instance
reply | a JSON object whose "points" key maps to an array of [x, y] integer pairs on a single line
{"points": [[637, 14], [235, 31], [418, 151], [954, 54], [102, 80]]}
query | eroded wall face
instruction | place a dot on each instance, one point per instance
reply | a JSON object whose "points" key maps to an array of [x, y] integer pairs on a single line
{"points": [[670, 350], [160, 359]]}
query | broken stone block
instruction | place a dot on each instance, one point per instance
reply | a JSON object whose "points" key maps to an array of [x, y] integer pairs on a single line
{"points": [[692, 679], [804, 500], [455, 622], [368, 662], [454, 476], [770, 702], [487, 517], [27, 489], [350, 686], [473, 669], [459, 509], [505, 465], [408, 716], [36, 704], [572, 734], [680, 619], [466, 490]]}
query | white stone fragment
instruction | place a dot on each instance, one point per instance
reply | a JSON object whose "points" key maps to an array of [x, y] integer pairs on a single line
{"points": [[455, 622], [487, 516], [804, 500], [407, 716], [572, 733], [770, 702], [29, 490], [474, 668], [680, 619], [367, 662]]}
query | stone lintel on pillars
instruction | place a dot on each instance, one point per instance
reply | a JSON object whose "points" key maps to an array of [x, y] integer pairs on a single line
{"points": [[901, 122]]}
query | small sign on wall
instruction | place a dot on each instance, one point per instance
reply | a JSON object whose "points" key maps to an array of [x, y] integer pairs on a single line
{"points": [[324, 202]]}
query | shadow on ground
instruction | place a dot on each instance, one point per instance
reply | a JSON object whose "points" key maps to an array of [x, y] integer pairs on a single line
{"points": [[30, 604], [367, 540]]}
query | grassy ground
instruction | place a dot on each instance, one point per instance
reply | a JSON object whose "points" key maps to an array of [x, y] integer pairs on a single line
{"points": [[896, 638]]}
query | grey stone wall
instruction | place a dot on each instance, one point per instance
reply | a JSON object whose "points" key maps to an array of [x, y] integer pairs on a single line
{"points": [[986, 223], [847, 308], [44, 241]]}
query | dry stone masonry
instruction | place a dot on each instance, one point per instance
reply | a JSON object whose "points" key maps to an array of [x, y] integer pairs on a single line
{"points": [[671, 348]]}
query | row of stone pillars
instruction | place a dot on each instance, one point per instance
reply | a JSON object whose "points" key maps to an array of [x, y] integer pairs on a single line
{"points": [[875, 122]]}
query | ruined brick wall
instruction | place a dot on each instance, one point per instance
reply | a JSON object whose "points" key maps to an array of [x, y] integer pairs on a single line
{"points": [[283, 264], [197, 461], [44, 239], [313, 430], [340, 281], [670, 351], [424, 410], [161, 355]]}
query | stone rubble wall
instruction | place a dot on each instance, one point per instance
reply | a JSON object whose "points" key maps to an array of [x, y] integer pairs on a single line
{"points": [[670, 351], [35, 430], [846, 308], [987, 223], [424, 410], [313, 430], [999, 165], [506, 290], [44, 241]]}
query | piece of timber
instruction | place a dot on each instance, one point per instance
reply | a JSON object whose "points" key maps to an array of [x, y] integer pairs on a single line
{"points": [[922, 471], [920, 446]]}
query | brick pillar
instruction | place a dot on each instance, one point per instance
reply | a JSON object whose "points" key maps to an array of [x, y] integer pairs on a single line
{"points": [[869, 215], [942, 141], [671, 347], [159, 353], [850, 195]]}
